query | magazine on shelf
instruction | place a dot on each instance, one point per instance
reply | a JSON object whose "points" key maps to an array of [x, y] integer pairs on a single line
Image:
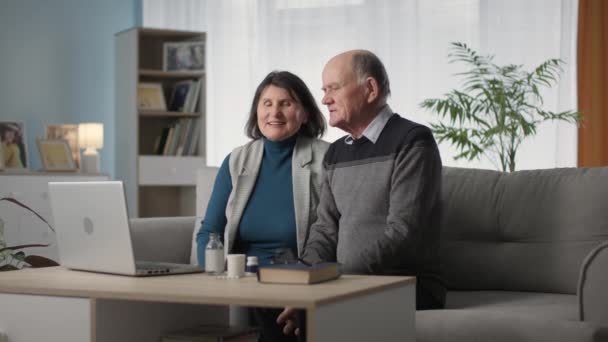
{"points": [[179, 95]]}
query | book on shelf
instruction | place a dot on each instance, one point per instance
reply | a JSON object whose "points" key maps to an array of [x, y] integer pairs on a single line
{"points": [[179, 95], [190, 136], [150, 96], [185, 130], [196, 134], [213, 333], [298, 273], [179, 138], [167, 146], [162, 140], [170, 137], [185, 95], [179, 127], [193, 96]]}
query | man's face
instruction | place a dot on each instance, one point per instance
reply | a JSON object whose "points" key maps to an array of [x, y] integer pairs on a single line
{"points": [[344, 97], [279, 115]]}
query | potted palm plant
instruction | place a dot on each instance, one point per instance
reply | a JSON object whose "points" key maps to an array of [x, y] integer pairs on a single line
{"points": [[12, 257], [497, 108]]}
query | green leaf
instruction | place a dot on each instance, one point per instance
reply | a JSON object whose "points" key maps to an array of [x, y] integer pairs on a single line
{"points": [[497, 107]]}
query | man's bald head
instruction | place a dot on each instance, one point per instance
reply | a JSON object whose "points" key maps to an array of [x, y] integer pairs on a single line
{"points": [[364, 64]]}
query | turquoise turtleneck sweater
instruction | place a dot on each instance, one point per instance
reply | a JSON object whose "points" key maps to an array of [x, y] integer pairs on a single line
{"points": [[268, 221]]}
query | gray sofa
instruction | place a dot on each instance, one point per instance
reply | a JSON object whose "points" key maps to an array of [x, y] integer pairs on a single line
{"points": [[525, 255]]}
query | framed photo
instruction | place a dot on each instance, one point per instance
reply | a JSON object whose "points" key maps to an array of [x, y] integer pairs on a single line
{"points": [[68, 133], [151, 96], [14, 148], [184, 56], [1, 158], [55, 155]]}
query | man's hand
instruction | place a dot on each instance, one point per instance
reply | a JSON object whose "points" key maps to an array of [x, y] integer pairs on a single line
{"points": [[288, 316]]}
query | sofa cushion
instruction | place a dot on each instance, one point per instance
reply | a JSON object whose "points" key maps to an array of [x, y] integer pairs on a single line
{"points": [[469, 198], [521, 231], [513, 266], [505, 316], [193, 250], [466, 325], [547, 305], [165, 239]]}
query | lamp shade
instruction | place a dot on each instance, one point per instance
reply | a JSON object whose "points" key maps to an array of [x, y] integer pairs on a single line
{"points": [[90, 135]]}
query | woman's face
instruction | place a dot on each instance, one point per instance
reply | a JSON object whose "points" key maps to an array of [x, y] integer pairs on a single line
{"points": [[279, 115], [9, 136]]}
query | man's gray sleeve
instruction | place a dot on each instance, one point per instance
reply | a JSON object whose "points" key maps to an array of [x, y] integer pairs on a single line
{"points": [[414, 192], [323, 237]]}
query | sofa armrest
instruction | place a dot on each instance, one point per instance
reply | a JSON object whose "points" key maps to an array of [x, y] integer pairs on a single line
{"points": [[166, 239], [593, 285]]}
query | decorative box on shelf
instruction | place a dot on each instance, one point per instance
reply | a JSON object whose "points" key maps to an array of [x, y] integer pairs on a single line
{"points": [[169, 170]]}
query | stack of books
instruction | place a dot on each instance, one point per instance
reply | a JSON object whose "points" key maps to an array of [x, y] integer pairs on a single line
{"points": [[179, 139], [185, 96]]}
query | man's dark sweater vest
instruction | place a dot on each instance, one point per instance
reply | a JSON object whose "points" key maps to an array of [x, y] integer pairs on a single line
{"points": [[384, 198]]}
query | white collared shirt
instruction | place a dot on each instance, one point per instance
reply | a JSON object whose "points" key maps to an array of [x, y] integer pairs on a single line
{"points": [[373, 130]]}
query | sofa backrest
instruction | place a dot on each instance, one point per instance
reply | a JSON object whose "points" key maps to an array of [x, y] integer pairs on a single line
{"points": [[521, 231], [164, 239]]}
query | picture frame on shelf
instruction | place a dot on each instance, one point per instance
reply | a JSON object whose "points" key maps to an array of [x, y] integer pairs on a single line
{"points": [[150, 96], [184, 56], [69, 133], [1, 158], [55, 155], [14, 146]]}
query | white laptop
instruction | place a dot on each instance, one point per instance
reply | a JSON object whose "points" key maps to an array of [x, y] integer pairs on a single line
{"points": [[93, 232]]}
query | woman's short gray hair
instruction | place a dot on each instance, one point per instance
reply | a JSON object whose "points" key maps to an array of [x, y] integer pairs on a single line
{"points": [[367, 64]]}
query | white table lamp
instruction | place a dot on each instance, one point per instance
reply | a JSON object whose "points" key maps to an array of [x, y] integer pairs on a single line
{"points": [[90, 137]]}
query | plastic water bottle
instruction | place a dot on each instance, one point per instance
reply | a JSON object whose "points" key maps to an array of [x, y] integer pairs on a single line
{"points": [[214, 255], [252, 265]]}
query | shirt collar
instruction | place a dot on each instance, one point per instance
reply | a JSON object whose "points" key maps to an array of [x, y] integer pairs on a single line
{"points": [[373, 130]]}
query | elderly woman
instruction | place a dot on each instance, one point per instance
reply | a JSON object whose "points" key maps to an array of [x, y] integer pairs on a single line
{"points": [[266, 191]]}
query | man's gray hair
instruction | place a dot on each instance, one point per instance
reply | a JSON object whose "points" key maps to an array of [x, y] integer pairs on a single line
{"points": [[366, 64]]}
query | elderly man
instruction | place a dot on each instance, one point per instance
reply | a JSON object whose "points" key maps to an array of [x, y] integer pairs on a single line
{"points": [[379, 208]]}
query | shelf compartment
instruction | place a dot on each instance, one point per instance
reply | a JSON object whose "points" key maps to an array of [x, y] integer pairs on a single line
{"points": [[164, 113], [170, 74], [169, 170]]}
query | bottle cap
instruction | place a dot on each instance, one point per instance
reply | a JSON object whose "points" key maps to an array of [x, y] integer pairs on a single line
{"points": [[252, 259]]}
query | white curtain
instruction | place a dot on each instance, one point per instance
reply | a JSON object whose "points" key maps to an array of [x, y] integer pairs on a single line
{"points": [[247, 39]]}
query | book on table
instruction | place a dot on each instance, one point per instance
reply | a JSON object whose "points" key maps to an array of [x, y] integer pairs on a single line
{"points": [[213, 333], [298, 273]]}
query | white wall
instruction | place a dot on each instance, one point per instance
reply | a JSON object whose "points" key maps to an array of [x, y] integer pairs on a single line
{"points": [[247, 39]]}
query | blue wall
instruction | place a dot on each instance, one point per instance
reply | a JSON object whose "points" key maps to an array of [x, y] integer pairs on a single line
{"points": [[57, 65]]}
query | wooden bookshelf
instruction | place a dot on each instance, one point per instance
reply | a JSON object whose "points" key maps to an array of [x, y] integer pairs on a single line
{"points": [[159, 170], [170, 74], [164, 113]]}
